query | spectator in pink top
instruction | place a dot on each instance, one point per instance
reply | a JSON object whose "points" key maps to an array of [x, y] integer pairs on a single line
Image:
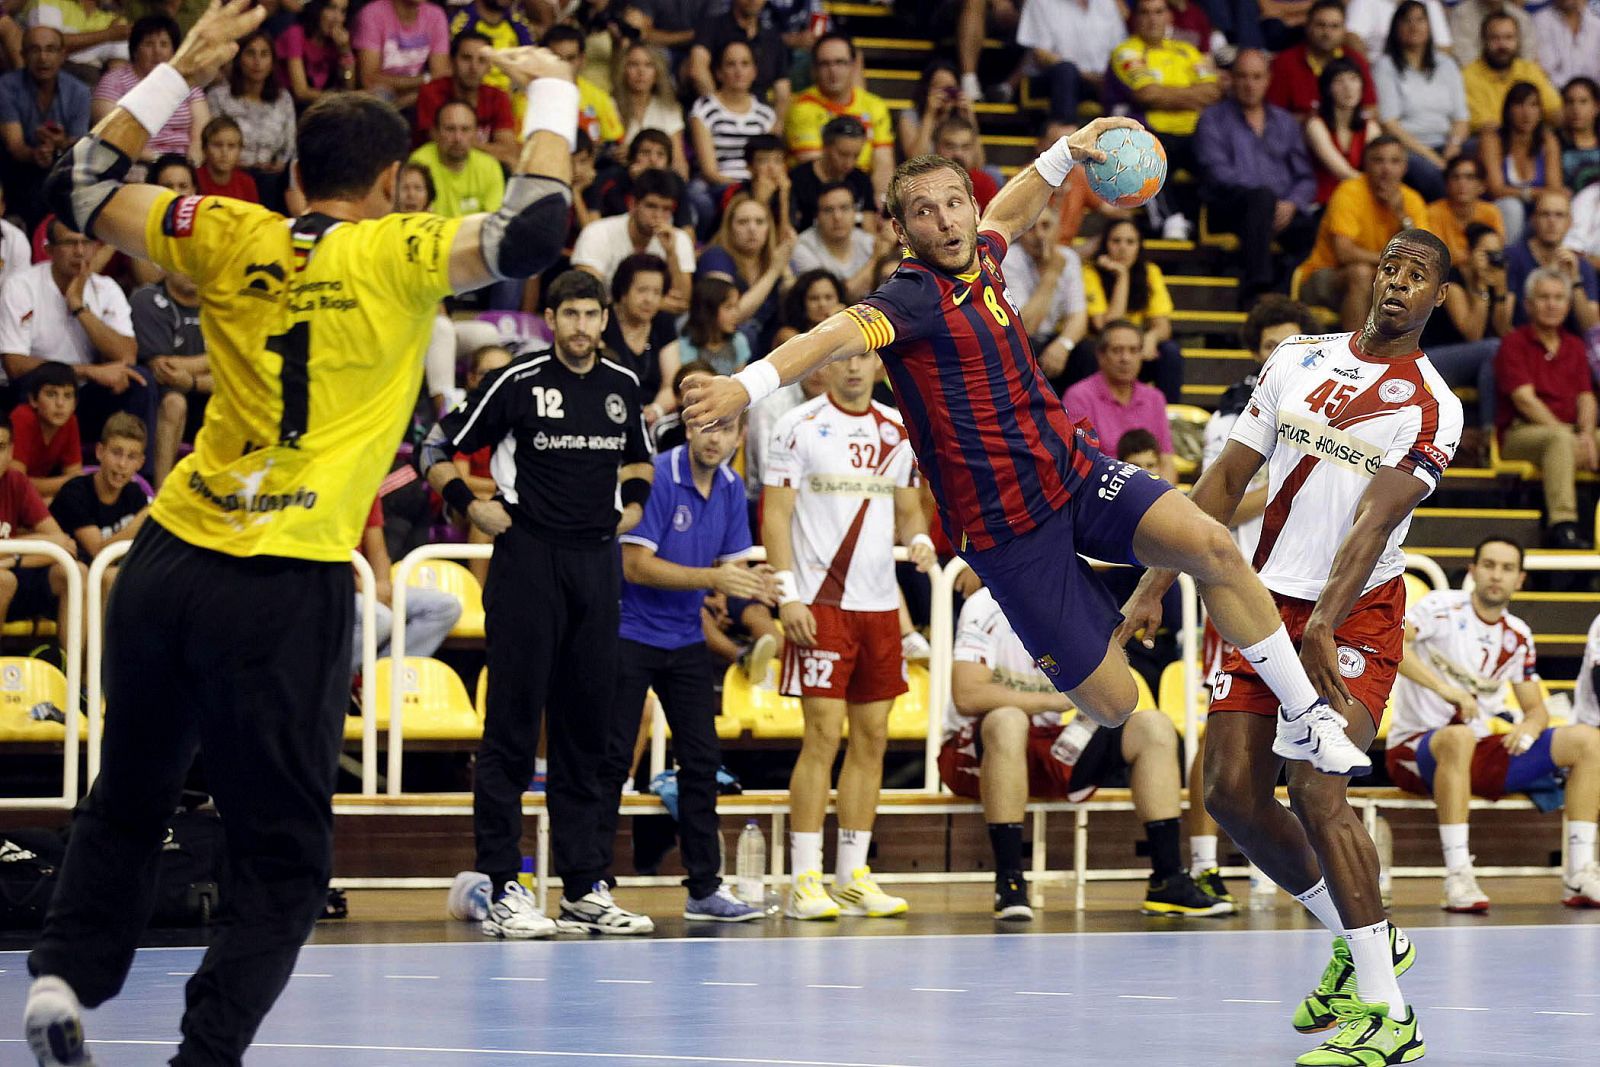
{"points": [[314, 54], [399, 45], [1115, 401], [151, 43]]}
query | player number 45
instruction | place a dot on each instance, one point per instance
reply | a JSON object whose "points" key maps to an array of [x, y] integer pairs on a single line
{"points": [[1330, 398]]}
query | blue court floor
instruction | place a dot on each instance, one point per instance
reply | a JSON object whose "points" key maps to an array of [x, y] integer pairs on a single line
{"points": [[1488, 996]]}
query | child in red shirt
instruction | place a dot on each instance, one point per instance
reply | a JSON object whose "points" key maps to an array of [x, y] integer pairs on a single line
{"points": [[220, 175], [45, 442]]}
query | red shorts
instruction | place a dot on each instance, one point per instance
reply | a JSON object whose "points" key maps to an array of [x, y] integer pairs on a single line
{"points": [[961, 763], [1371, 641], [857, 658], [1495, 771]]}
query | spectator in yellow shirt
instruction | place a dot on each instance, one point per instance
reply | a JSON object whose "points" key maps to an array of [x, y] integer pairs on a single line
{"points": [[1363, 214], [833, 64], [1121, 284], [1169, 80], [1492, 74]]}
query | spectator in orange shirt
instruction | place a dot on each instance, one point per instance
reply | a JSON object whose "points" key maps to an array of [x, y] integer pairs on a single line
{"points": [[1462, 205]]}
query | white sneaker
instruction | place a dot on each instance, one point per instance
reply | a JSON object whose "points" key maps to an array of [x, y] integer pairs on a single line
{"points": [[1316, 736], [915, 648], [863, 897], [1583, 889], [596, 913], [53, 1023], [1176, 228], [1461, 893], [469, 897], [516, 916], [759, 661], [971, 88], [808, 900]]}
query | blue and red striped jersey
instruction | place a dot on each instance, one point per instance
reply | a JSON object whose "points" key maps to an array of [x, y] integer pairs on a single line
{"points": [[994, 442]]}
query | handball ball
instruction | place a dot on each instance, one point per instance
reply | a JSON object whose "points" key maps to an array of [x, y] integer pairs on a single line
{"points": [[1134, 170]]}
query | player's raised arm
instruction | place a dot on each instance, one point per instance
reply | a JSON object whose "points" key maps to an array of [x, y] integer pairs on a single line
{"points": [[1016, 205], [839, 336], [86, 186]]}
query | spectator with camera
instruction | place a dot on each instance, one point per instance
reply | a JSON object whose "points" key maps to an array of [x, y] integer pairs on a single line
{"points": [[1462, 205], [1462, 337]]}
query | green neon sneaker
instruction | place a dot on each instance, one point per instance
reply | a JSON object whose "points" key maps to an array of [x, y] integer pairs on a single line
{"points": [[1367, 1037], [1319, 1011]]}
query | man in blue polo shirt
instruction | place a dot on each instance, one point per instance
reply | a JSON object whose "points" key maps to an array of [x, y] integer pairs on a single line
{"points": [[694, 537]]}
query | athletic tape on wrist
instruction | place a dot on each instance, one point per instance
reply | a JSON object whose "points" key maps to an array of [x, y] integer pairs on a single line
{"points": [[156, 98], [922, 539], [760, 379], [552, 106], [1055, 163], [788, 591]]}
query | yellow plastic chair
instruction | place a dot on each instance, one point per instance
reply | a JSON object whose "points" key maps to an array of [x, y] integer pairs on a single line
{"points": [[1190, 413], [1417, 587], [434, 699], [1170, 697], [25, 682], [909, 716], [448, 576]]}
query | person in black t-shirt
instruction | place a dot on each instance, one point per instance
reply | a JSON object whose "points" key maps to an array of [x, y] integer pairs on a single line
{"points": [[166, 325], [842, 141], [639, 335], [107, 505], [743, 23]]}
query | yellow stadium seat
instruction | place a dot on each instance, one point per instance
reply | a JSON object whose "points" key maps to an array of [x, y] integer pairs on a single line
{"points": [[25, 682], [1190, 413], [1147, 699], [1520, 468], [1416, 588], [1170, 698], [451, 577], [909, 716], [480, 701], [30, 628], [435, 702]]}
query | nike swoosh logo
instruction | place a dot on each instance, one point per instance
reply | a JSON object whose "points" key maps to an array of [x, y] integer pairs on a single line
{"points": [[957, 298]]}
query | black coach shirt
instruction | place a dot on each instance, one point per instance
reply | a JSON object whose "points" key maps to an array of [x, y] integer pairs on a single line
{"points": [[558, 439]]}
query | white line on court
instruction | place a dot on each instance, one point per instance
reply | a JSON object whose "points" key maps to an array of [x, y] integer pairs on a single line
{"points": [[1141, 996], [1040, 993], [1580, 1014], [180, 974], [823, 985], [508, 978], [623, 981], [414, 977], [934, 989], [1444, 1007], [1238, 1000], [309, 974], [741, 985]]}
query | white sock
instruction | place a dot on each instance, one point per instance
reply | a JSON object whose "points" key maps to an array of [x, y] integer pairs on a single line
{"points": [[853, 845], [1278, 664], [1319, 902], [1580, 846], [1454, 839], [541, 765], [1202, 852], [1374, 960], [805, 851]]}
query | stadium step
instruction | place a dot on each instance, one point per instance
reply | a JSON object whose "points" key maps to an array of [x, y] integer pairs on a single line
{"points": [[1215, 366], [1560, 621], [1452, 533]]}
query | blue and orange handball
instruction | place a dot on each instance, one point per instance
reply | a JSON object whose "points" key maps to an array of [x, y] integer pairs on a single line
{"points": [[1134, 170]]}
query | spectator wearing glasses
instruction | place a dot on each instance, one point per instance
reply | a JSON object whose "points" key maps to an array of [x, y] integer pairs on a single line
{"points": [[1546, 246], [835, 94], [42, 110]]}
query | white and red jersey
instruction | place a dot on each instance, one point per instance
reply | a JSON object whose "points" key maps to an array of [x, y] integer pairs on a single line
{"points": [[984, 635], [1328, 418], [844, 469], [1585, 701], [1481, 657]]}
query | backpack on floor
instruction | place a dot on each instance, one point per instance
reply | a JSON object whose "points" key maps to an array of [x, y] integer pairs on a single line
{"points": [[193, 870], [27, 880]]}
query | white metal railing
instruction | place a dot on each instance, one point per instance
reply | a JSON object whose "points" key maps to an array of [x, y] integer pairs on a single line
{"points": [[72, 643], [1425, 564]]}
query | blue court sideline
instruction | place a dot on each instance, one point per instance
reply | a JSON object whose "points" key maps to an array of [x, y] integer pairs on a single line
{"points": [[1490, 996]]}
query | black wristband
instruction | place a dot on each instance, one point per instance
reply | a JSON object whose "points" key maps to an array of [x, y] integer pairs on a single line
{"points": [[635, 491], [458, 494]]}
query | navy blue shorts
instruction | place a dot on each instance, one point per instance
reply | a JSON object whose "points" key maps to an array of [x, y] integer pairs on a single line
{"points": [[1051, 597]]}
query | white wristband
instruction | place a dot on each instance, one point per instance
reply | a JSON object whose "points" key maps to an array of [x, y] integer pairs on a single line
{"points": [[1055, 163], [922, 539], [157, 98], [788, 591], [552, 106], [760, 379]]}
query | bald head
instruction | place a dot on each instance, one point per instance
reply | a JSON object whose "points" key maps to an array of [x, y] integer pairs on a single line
{"points": [[1250, 79]]}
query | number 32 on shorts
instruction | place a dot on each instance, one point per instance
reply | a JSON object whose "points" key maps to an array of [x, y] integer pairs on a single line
{"points": [[817, 671]]}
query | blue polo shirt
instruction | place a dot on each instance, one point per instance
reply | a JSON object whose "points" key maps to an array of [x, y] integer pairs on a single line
{"points": [[683, 527], [19, 103]]}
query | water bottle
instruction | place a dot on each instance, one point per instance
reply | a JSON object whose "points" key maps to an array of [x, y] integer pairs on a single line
{"points": [[1383, 838], [1263, 893], [525, 877], [750, 864]]}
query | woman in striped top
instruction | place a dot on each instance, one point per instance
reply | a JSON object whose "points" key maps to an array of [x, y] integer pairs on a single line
{"points": [[720, 124], [151, 43]]}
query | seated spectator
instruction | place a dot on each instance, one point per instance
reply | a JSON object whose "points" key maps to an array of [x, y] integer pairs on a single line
{"points": [[843, 141], [151, 43], [640, 335], [1462, 337], [1071, 42], [647, 100], [768, 163], [400, 44], [1362, 215], [1463, 204], [720, 124], [1339, 131], [1580, 134], [1045, 278], [647, 227], [1282, 25], [1115, 401], [1567, 41], [1497, 69], [253, 97], [1140, 448], [94, 35], [314, 53], [1421, 99], [1256, 174], [672, 24], [597, 112], [430, 613], [1521, 158], [814, 296], [748, 252], [1125, 286], [956, 138], [221, 142], [1295, 70], [474, 468], [413, 189], [44, 429], [1545, 405], [744, 23], [835, 94], [503, 26], [711, 334], [836, 244], [466, 179], [99, 509], [1192, 25], [15, 252], [1584, 237], [42, 111], [648, 150], [468, 84], [166, 326], [937, 96], [1466, 27], [1372, 20], [60, 311], [1545, 246], [30, 586]]}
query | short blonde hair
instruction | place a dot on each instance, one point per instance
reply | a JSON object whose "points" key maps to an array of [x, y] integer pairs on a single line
{"points": [[915, 167]]}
